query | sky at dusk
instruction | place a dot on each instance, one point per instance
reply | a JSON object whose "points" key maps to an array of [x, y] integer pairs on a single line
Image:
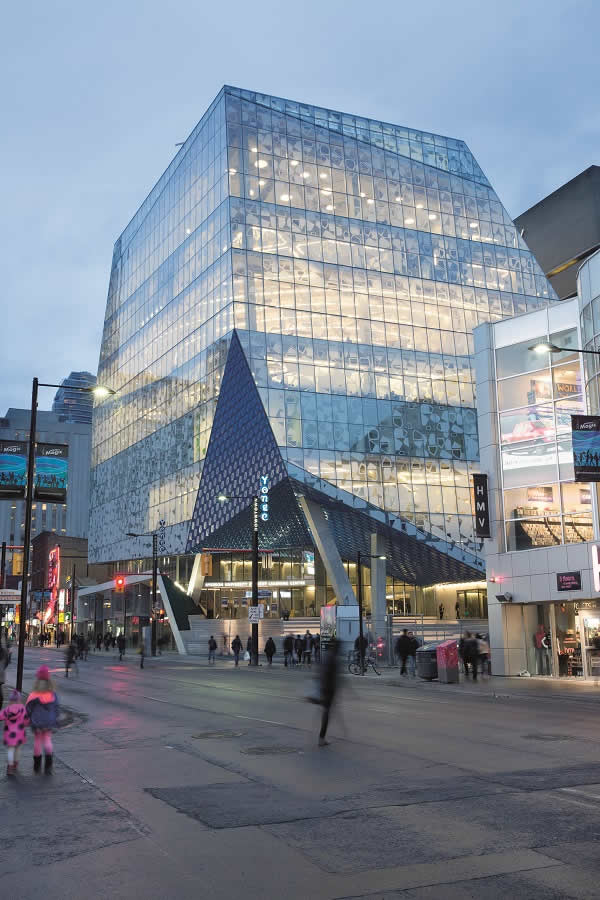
{"points": [[95, 96]]}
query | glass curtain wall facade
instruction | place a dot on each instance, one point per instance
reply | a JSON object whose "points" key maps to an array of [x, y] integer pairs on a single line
{"points": [[353, 258]]}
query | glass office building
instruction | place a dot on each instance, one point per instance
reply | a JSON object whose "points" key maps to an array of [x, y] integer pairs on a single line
{"points": [[295, 298]]}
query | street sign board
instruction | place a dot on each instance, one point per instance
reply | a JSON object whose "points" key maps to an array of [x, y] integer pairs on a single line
{"points": [[256, 613]]}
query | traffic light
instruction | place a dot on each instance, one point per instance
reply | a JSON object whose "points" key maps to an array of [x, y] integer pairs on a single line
{"points": [[120, 582]]}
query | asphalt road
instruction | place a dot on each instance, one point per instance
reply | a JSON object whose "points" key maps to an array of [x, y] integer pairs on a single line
{"points": [[182, 781]]}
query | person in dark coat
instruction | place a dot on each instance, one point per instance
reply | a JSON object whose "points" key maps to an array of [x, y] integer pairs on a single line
{"points": [[121, 646], [298, 648], [328, 687], [212, 649], [470, 654], [402, 649], [288, 650], [236, 646], [98, 641], [270, 650]]}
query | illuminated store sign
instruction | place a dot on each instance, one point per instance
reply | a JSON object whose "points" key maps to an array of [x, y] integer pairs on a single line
{"points": [[264, 498]]}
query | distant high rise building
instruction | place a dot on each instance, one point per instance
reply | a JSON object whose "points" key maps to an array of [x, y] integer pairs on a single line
{"points": [[69, 400]]}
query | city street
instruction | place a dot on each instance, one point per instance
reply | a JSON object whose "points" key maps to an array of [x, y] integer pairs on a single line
{"points": [[182, 781]]}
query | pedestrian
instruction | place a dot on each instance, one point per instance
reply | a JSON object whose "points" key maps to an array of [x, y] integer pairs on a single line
{"points": [[121, 646], [328, 686], [98, 641], [441, 610], [307, 654], [415, 643], [270, 650], [402, 649], [15, 720], [470, 655], [457, 609], [236, 646], [298, 648], [113, 641], [212, 649], [4, 661], [80, 646], [142, 652], [483, 654], [249, 649], [42, 709], [317, 647], [71, 657], [288, 650], [107, 641]]}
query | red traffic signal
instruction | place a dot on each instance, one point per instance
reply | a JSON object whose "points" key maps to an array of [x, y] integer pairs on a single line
{"points": [[120, 582]]}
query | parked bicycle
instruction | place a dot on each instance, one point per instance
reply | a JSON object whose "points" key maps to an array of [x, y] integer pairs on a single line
{"points": [[369, 662]]}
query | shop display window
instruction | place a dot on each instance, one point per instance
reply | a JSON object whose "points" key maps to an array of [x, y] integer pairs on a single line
{"points": [[525, 390], [518, 358], [529, 423]]}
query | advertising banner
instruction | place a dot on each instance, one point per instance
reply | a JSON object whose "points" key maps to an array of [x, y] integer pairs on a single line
{"points": [[13, 468], [586, 447], [51, 472]]}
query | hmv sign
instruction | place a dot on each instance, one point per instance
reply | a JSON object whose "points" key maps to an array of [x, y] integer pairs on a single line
{"points": [[482, 506]]}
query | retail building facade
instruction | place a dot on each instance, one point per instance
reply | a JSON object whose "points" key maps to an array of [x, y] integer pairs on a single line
{"points": [[542, 558], [295, 299]]}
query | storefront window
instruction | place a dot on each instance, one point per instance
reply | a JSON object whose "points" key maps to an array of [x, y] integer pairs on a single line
{"points": [[520, 358], [527, 464], [567, 380], [542, 500], [527, 424], [531, 533], [525, 390]]}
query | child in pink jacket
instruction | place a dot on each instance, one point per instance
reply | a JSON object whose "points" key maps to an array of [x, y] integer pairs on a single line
{"points": [[15, 722]]}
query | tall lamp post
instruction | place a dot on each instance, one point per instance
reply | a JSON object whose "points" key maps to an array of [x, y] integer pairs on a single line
{"points": [[359, 596], [99, 392], [154, 537], [223, 498]]}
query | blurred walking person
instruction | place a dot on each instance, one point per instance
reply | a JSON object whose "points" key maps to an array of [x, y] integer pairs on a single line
{"points": [[121, 646], [298, 649], [236, 646], [15, 721], [415, 643], [288, 650], [42, 709], [71, 657], [402, 649], [270, 650], [212, 649], [328, 687]]}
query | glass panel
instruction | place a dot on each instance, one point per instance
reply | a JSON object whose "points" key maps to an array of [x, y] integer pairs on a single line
{"points": [[567, 380], [527, 534], [565, 460], [565, 339], [564, 409], [577, 509], [519, 358], [527, 424], [542, 500], [524, 389], [527, 464]]}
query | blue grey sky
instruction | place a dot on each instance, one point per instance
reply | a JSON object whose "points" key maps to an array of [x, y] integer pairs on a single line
{"points": [[94, 97]]}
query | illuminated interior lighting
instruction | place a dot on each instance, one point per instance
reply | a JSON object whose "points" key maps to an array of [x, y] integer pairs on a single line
{"points": [[251, 192], [362, 194], [306, 174], [232, 171], [409, 221], [294, 162], [398, 199], [419, 206], [329, 206], [261, 182], [254, 149], [260, 163], [432, 216], [285, 197], [323, 175], [473, 224], [370, 202]]}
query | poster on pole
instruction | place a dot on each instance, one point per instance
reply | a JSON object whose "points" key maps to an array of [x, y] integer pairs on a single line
{"points": [[51, 472], [13, 468], [586, 447]]}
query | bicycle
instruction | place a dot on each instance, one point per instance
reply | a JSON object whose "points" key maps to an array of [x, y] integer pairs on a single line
{"points": [[354, 666]]}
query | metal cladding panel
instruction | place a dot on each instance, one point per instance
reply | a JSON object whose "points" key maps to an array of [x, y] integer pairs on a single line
{"points": [[241, 449]]}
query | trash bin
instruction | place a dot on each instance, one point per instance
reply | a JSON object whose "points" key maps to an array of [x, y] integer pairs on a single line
{"points": [[447, 661], [427, 667]]}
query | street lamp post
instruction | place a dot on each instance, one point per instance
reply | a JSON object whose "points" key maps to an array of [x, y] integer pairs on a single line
{"points": [[359, 596], [154, 537], [223, 498], [100, 392], [549, 347]]}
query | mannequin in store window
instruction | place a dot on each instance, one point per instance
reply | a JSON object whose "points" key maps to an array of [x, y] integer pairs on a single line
{"points": [[541, 642]]}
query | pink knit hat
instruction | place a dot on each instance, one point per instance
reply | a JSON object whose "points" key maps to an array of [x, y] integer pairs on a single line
{"points": [[43, 673]]}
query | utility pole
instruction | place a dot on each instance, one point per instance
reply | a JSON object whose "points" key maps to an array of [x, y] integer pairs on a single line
{"points": [[3, 566], [254, 655], [27, 535], [359, 595], [154, 587]]}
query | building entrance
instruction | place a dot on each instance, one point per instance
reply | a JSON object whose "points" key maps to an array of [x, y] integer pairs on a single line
{"points": [[563, 639]]}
